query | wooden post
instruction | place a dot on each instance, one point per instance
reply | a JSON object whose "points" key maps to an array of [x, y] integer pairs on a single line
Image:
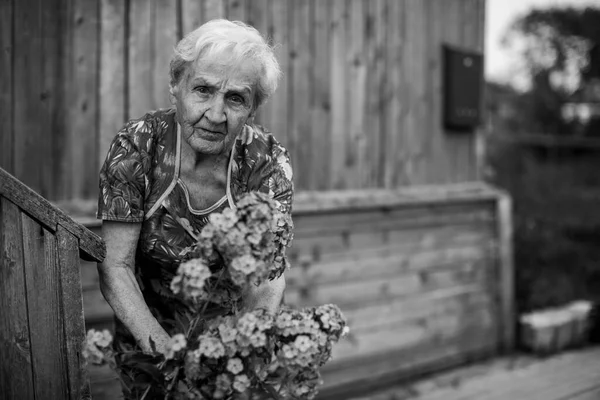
{"points": [[506, 270]]}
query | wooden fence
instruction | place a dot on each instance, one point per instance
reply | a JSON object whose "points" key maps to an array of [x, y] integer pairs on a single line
{"points": [[41, 313], [359, 105]]}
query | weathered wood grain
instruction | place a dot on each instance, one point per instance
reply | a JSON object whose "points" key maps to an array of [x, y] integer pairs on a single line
{"points": [[52, 95], [165, 38], [82, 101], [321, 97], [301, 81], [237, 10], [339, 79], [345, 200], [45, 311], [192, 15], [112, 73], [67, 264], [385, 288], [27, 89], [214, 9], [6, 82], [140, 71], [16, 375], [49, 216]]}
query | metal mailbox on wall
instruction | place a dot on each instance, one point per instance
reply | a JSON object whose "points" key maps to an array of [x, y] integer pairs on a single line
{"points": [[463, 86]]}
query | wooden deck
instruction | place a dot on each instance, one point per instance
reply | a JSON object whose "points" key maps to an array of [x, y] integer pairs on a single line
{"points": [[573, 375]]}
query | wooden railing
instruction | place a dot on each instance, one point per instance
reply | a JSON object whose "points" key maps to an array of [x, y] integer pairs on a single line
{"points": [[41, 314]]}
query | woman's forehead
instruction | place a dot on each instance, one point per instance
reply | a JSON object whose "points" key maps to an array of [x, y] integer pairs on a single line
{"points": [[219, 68]]}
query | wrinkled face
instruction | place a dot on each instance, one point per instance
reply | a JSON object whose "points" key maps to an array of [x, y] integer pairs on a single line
{"points": [[214, 99]]}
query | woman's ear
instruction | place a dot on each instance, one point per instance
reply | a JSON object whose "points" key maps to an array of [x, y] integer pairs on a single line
{"points": [[172, 94]]}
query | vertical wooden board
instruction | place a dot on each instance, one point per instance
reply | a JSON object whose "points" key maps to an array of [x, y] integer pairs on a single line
{"points": [[165, 39], [112, 73], [437, 154], [358, 134], [28, 83], [414, 129], [72, 306], [140, 85], [83, 105], [381, 14], [258, 15], [393, 119], [402, 152], [321, 98], [214, 9], [52, 99], [338, 81], [44, 311], [278, 104], [61, 147], [6, 82], [236, 10], [16, 376], [301, 57], [192, 15]]}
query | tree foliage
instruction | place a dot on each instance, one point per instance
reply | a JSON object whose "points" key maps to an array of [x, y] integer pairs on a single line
{"points": [[560, 50]]}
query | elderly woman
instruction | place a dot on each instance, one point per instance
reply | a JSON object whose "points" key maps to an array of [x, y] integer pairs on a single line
{"points": [[166, 172]]}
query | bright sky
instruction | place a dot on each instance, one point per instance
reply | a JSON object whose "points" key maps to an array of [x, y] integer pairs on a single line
{"points": [[499, 65]]}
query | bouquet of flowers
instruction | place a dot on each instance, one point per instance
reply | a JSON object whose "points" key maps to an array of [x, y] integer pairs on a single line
{"points": [[247, 354]]}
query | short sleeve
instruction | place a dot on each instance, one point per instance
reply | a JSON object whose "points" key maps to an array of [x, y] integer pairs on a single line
{"points": [[123, 180], [280, 178]]}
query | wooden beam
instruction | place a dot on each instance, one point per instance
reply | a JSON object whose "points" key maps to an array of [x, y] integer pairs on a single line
{"points": [[40, 209], [72, 306], [16, 374]]}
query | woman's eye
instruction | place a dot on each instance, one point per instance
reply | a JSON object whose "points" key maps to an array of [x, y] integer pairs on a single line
{"points": [[237, 99], [202, 89]]}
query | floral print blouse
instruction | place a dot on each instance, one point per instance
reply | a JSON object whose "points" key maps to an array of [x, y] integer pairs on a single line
{"points": [[139, 182]]}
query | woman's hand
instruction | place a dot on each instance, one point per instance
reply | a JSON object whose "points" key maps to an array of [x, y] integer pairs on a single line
{"points": [[120, 288], [267, 295]]}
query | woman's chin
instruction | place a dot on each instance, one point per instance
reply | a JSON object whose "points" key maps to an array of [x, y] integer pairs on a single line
{"points": [[211, 146]]}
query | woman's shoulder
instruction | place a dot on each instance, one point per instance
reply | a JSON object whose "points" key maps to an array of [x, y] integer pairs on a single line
{"points": [[260, 143], [144, 132]]}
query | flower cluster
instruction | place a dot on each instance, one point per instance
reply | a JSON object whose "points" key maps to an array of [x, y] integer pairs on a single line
{"points": [[250, 355], [97, 346], [274, 355], [249, 240]]}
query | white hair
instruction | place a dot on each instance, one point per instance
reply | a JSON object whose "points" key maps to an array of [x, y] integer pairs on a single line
{"points": [[239, 41]]}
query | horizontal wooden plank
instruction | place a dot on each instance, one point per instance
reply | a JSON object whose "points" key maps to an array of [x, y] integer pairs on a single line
{"points": [[308, 202], [378, 265], [352, 293], [49, 216], [434, 329], [351, 245], [373, 316], [395, 218]]}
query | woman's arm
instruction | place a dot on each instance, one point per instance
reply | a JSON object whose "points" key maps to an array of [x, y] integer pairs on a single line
{"points": [[267, 295], [120, 288]]}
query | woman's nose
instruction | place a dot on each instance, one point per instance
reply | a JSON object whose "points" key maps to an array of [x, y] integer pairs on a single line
{"points": [[216, 110]]}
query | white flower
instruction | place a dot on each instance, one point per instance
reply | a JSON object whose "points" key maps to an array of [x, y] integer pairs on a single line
{"points": [[235, 366]]}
